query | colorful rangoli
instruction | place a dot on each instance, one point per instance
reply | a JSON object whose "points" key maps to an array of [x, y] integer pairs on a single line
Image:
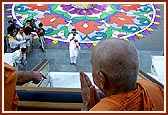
{"points": [[94, 22]]}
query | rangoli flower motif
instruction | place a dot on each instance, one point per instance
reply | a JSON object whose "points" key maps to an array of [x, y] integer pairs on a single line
{"points": [[52, 20], [87, 27], [82, 9], [121, 19], [128, 7], [38, 6]]}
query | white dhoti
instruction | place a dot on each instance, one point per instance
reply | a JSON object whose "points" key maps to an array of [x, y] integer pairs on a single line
{"points": [[73, 52]]}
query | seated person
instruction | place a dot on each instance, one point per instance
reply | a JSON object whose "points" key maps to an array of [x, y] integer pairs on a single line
{"points": [[115, 67], [19, 59], [13, 77]]}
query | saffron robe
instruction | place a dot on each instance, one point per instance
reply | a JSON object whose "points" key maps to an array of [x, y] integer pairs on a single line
{"points": [[147, 97], [10, 95]]}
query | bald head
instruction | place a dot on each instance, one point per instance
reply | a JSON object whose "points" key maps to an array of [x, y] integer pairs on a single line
{"points": [[118, 61]]}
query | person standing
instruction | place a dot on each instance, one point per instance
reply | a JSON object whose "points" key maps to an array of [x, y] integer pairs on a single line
{"points": [[27, 30], [10, 28], [41, 33], [74, 47], [33, 25], [20, 37], [34, 29], [16, 25]]}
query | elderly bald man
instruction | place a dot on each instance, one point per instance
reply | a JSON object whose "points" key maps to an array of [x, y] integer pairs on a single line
{"points": [[115, 67]]}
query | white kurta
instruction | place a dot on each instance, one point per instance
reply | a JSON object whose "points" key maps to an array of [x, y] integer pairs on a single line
{"points": [[14, 43], [72, 46], [21, 38]]}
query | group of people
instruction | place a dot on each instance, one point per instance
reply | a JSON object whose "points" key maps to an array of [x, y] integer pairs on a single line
{"points": [[20, 40], [19, 34], [115, 67]]}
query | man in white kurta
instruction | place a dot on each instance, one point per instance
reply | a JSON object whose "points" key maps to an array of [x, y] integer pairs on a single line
{"points": [[74, 46], [20, 37]]}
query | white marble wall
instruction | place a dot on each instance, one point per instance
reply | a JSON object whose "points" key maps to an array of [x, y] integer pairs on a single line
{"points": [[158, 68]]}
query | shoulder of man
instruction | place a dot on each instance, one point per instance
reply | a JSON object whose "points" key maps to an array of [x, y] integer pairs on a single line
{"points": [[10, 74], [147, 84]]}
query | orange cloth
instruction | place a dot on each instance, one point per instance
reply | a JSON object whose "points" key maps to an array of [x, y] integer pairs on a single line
{"points": [[10, 95], [147, 97]]}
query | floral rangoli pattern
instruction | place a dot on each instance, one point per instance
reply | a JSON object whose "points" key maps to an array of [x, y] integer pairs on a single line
{"points": [[94, 22]]}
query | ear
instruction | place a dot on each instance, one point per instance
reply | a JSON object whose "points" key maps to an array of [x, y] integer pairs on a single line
{"points": [[101, 78]]}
